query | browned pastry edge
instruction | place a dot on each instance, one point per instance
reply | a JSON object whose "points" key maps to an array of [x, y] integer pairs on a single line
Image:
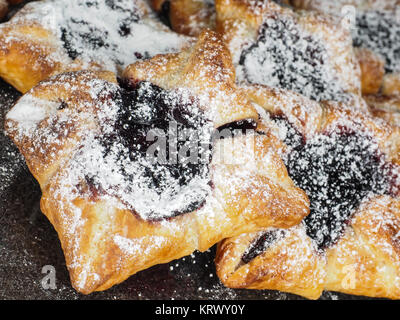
{"points": [[278, 268], [29, 52], [365, 261], [385, 107], [23, 63]]}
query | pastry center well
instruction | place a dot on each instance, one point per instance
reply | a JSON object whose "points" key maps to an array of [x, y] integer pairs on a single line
{"points": [[286, 57]]}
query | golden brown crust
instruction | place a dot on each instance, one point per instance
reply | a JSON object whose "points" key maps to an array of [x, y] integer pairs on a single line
{"points": [[309, 117], [372, 70], [385, 107], [304, 114], [366, 260], [391, 84], [25, 51], [291, 265], [103, 241], [157, 4]]}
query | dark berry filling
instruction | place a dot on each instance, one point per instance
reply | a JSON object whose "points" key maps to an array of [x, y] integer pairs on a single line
{"points": [[237, 128], [283, 56], [379, 32], [337, 171], [166, 134], [293, 137], [261, 244], [78, 35]]}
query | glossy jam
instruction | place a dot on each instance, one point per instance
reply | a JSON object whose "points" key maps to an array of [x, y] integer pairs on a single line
{"points": [[261, 244]]}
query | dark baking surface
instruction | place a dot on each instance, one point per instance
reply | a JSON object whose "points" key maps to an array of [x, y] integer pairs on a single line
{"points": [[28, 242]]}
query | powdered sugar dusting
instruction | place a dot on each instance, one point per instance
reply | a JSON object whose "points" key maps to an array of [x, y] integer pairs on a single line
{"points": [[286, 55], [111, 34], [135, 248]]}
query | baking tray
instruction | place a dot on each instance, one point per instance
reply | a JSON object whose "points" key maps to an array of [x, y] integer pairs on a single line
{"points": [[28, 242]]}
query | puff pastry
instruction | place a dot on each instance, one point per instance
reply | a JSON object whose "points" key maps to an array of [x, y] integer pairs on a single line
{"points": [[117, 211], [386, 107], [348, 162], [372, 68], [391, 84], [377, 24], [188, 17], [52, 36], [275, 46]]}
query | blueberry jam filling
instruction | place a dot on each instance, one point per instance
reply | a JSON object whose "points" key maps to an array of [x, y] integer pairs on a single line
{"points": [[161, 143], [80, 34], [285, 57], [337, 171], [261, 244], [379, 32]]}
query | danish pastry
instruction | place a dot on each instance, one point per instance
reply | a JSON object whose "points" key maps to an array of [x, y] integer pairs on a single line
{"points": [[377, 25], [188, 17], [120, 196], [276, 46], [52, 36], [348, 162]]}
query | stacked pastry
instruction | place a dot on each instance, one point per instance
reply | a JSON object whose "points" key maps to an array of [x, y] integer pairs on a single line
{"points": [[269, 130]]}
